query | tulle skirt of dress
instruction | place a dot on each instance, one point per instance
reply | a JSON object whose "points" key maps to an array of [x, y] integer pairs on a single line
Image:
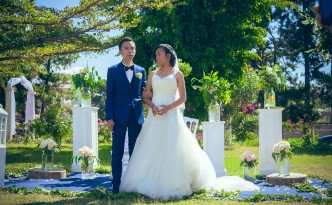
{"points": [[168, 163]]}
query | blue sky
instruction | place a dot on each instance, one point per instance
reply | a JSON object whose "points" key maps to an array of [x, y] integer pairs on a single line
{"points": [[100, 62]]}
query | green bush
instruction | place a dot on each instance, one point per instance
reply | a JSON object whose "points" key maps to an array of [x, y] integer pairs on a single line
{"points": [[303, 145], [244, 126], [55, 124]]}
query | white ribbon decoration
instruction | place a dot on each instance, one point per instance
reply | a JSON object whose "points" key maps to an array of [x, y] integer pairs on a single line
{"points": [[30, 103]]}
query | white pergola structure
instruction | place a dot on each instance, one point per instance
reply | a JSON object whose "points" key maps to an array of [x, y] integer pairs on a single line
{"points": [[11, 104]]}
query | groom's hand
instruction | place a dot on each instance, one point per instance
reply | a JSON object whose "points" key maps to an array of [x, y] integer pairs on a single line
{"points": [[110, 124]]}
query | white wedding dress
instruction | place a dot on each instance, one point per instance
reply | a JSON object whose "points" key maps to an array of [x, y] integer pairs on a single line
{"points": [[167, 161]]}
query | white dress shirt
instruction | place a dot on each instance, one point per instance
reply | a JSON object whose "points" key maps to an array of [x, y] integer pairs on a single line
{"points": [[129, 73]]}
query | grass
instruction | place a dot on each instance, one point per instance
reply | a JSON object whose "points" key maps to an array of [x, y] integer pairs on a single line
{"points": [[11, 199], [27, 156]]}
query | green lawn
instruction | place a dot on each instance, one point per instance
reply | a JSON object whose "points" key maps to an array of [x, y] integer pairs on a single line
{"points": [[27, 156]]}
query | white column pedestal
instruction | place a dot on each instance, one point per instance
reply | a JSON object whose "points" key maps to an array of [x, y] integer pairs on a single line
{"points": [[11, 115], [85, 132], [2, 164], [270, 133], [213, 140]]}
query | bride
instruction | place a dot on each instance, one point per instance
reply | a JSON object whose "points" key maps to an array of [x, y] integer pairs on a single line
{"points": [[167, 161]]}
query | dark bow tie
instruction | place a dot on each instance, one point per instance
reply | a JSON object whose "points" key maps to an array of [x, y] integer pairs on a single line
{"points": [[129, 68]]}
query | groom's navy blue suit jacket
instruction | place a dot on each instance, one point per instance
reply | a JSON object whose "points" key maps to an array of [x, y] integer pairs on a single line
{"points": [[121, 95]]}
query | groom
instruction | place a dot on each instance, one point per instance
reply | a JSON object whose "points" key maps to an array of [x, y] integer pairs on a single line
{"points": [[125, 83]]}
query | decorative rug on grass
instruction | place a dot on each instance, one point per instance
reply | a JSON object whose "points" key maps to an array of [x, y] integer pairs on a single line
{"points": [[74, 183]]}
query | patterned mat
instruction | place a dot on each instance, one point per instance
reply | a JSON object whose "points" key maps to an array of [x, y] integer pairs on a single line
{"points": [[74, 183]]}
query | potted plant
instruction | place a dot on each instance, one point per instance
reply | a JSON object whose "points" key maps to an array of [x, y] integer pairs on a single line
{"points": [[48, 147], [249, 163], [86, 82], [281, 154], [270, 80], [87, 157], [215, 91]]}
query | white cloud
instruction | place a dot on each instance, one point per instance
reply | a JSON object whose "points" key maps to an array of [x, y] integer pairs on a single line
{"points": [[72, 70]]}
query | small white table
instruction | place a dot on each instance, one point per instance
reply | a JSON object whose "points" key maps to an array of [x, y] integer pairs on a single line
{"points": [[214, 146]]}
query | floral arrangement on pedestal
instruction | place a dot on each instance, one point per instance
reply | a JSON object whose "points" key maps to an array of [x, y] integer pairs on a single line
{"points": [[249, 162], [215, 91], [49, 147], [281, 154], [87, 83], [88, 157], [270, 80]]}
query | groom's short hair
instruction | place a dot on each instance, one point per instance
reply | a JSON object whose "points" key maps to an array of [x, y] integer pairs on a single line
{"points": [[124, 40]]}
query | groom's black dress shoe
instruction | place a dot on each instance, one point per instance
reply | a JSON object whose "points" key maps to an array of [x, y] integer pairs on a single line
{"points": [[115, 189]]}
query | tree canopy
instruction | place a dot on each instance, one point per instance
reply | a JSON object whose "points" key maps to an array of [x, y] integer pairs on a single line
{"points": [[29, 34]]}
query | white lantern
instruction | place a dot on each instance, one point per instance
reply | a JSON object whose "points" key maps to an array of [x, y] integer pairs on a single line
{"points": [[3, 128]]}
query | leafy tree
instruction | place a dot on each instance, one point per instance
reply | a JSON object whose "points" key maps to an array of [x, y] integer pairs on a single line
{"points": [[218, 35], [31, 34]]}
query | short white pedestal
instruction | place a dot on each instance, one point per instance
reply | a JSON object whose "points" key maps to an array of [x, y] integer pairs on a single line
{"points": [[85, 132], [2, 164], [270, 133], [214, 146]]}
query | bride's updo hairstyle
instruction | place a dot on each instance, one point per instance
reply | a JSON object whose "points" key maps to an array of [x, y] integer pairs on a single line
{"points": [[168, 49]]}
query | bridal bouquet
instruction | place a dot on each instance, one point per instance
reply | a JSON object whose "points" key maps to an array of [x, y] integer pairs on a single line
{"points": [[86, 155], [48, 146], [248, 159], [281, 150]]}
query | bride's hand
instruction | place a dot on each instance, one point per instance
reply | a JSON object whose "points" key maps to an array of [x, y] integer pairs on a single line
{"points": [[155, 110], [163, 110]]}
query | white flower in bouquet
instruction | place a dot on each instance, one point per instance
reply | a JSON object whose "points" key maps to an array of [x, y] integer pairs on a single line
{"points": [[48, 145], [249, 159], [281, 150], [86, 155]]}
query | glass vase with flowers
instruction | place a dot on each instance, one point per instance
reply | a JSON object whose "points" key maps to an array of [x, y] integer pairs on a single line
{"points": [[86, 83]]}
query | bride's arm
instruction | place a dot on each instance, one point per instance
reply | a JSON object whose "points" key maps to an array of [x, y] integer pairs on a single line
{"points": [[148, 100]]}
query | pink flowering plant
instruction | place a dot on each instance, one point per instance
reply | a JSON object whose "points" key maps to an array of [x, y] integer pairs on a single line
{"points": [[104, 134], [200, 140], [281, 150], [86, 155], [249, 108], [248, 159], [289, 125]]}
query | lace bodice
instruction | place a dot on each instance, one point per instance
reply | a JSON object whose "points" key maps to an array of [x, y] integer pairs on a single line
{"points": [[164, 89]]}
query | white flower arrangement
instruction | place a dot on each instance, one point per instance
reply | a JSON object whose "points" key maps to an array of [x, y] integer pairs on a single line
{"points": [[281, 150], [48, 146], [249, 159], [86, 155], [139, 75]]}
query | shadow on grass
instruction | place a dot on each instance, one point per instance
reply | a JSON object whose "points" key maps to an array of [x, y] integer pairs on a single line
{"points": [[31, 155]]}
